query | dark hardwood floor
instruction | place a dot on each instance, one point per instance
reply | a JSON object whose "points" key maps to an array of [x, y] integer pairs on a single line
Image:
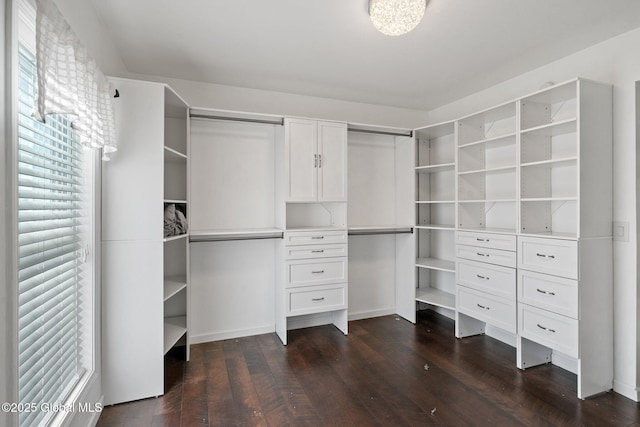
{"points": [[387, 372]]}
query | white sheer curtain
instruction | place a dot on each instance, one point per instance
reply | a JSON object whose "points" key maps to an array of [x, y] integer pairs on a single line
{"points": [[70, 82]]}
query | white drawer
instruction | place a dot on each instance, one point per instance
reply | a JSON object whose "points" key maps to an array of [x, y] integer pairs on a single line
{"points": [[491, 256], [549, 329], [315, 251], [314, 237], [551, 293], [550, 256], [309, 272], [504, 242], [316, 299], [494, 279], [493, 310]]}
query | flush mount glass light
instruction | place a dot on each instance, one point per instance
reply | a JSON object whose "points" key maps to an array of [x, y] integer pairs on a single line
{"points": [[396, 17]]}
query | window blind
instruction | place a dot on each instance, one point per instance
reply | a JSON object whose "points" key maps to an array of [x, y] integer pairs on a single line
{"points": [[50, 254]]}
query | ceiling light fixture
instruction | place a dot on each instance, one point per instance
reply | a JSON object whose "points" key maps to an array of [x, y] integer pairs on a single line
{"points": [[396, 17]]}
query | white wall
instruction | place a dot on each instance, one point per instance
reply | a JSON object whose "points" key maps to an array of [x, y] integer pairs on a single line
{"points": [[267, 102], [87, 25], [616, 61]]}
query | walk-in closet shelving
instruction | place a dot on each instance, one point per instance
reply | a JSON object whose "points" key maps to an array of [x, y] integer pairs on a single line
{"points": [[380, 222], [435, 211], [487, 170], [237, 222], [549, 162], [145, 273]]}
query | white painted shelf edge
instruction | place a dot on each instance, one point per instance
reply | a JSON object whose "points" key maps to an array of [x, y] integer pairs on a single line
{"points": [[495, 139], [174, 329], [436, 297], [444, 167], [174, 153], [317, 228], [436, 264], [553, 128], [489, 170], [172, 238], [435, 227], [173, 285]]}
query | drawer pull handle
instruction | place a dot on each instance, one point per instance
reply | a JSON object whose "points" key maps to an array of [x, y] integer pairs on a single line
{"points": [[482, 240], [317, 237], [545, 329], [315, 160], [481, 254], [318, 272], [318, 252], [546, 292], [546, 256], [317, 299], [482, 277], [483, 307]]}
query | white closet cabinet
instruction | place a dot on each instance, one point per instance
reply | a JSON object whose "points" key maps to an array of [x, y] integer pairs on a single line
{"points": [[565, 296], [316, 160], [144, 275]]}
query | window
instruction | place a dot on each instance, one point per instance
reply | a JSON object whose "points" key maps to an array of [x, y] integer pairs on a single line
{"points": [[51, 220]]}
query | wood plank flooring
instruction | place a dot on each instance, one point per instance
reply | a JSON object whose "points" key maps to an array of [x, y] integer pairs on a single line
{"points": [[387, 372]]}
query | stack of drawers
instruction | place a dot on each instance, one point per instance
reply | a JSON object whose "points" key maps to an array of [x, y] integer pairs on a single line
{"points": [[548, 293], [485, 278], [316, 271]]}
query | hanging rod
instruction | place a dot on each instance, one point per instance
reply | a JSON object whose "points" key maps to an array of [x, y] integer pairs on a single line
{"points": [[366, 231], [234, 116], [354, 127]]}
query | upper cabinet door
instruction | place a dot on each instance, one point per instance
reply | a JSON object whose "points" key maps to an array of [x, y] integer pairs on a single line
{"points": [[332, 161], [301, 163]]}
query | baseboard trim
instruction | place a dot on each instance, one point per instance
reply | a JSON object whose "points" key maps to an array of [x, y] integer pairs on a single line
{"points": [[225, 335], [370, 314], [626, 390]]}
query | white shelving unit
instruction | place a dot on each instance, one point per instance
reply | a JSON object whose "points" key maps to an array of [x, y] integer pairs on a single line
{"points": [[534, 215], [145, 276], [487, 170], [565, 296], [435, 207]]}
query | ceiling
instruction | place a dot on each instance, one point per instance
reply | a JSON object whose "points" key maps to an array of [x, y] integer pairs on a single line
{"points": [[329, 48]]}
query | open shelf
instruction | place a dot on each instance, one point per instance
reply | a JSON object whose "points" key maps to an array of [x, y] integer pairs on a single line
{"points": [[173, 155], [174, 329], [436, 297], [436, 168], [489, 170], [436, 264], [173, 285], [435, 227], [178, 237]]}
